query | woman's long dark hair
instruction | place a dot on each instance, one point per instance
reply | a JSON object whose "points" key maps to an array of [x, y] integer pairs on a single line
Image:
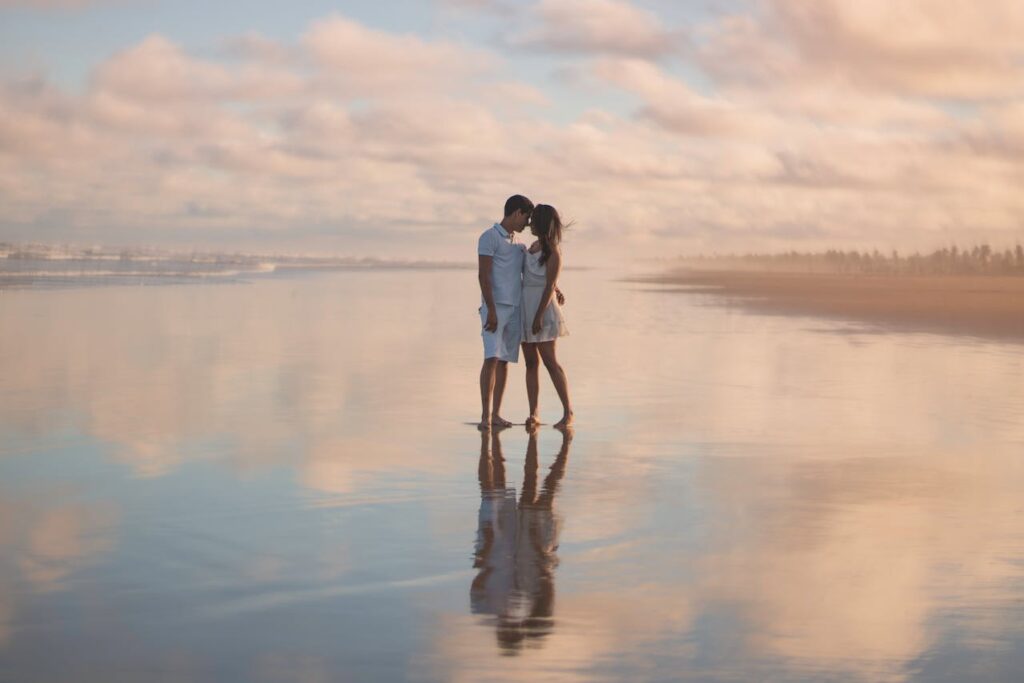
{"points": [[547, 225]]}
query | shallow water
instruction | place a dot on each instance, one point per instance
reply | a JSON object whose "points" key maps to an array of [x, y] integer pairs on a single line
{"points": [[275, 480]]}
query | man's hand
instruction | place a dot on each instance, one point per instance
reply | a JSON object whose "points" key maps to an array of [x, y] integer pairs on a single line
{"points": [[492, 321], [559, 296]]}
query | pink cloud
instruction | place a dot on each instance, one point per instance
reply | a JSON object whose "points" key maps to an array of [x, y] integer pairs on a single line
{"points": [[260, 49], [365, 60], [948, 49], [354, 131], [157, 69], [673, 104], [597, 26]]}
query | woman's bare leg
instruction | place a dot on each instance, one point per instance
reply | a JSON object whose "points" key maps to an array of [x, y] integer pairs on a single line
{"points": [[558, 378], [532, 359]]}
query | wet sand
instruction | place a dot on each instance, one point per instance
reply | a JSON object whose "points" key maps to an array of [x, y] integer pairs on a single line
{"points": [[244, 495], [977, 305]]}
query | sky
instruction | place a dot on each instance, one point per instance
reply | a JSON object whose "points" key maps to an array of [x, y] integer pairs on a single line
{"points": [[397, 128]]}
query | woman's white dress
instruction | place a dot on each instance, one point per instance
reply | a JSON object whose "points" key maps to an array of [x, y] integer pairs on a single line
{"points": [[553, 322]]}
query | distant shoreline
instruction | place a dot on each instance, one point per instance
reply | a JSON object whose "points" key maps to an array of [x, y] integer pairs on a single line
{"points": [[982, 305]]}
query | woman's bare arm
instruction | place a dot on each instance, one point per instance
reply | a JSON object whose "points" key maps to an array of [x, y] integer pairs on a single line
{"points": [[553, 267]]}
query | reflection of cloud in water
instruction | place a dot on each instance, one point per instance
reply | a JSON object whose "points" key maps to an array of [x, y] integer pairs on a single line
{"points": [[335, 464], [165, 375], [6, 615], [849, 562], [614, 497], [710, 374], [44, 544], [812, 562], [831, 500], [590, 628], [285, 667], [59, 540], [276, 371]]}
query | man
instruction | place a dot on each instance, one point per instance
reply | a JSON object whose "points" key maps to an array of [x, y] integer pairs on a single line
{"points": [[500, 258]]}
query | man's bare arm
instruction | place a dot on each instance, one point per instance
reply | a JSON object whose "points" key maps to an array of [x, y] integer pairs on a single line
{"points": [[484, 276]]}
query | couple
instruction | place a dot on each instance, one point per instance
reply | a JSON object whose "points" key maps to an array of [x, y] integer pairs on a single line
{"points": [[521, 301]]}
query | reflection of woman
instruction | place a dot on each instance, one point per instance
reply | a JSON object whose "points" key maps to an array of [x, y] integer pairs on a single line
{"points": [[516, 546], [543, 322]]}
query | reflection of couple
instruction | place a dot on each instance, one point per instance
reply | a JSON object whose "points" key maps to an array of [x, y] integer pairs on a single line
{"points": [[516, 543], [519, 287]]}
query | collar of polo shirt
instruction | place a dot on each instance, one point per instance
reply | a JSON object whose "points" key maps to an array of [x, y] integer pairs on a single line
{"points": [[511, 237]]}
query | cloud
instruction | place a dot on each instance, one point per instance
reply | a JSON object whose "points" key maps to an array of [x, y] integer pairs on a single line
{"points": [[502, 7], [157, 69], [597, 26], [359, 140], [175, 132], [53, 4], [674, 105], [950, 50], [260, 49], [377, 62], [999, 132]]}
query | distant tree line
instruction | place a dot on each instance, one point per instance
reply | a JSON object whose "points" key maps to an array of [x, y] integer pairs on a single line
{"points": [[977, 260]]}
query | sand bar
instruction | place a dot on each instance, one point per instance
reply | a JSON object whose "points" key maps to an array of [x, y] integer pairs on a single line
{"points": [[989, 306]]}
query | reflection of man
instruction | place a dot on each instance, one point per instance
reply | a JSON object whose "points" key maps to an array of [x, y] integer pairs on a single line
{"points": [[516, 544]]}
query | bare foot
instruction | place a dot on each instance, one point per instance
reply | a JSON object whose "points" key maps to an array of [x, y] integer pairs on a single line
{"points": [[565, 422], [500, 422], [533, 421], [485, 424]]}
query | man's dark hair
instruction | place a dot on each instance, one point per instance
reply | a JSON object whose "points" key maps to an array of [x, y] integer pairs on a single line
{"points": [[518, 202]]}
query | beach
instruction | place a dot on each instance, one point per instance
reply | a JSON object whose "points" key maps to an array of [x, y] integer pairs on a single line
{"points": [[990, 306], [279, 477]]}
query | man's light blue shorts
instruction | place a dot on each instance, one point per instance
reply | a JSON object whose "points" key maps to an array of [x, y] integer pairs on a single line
{"points": [[503, 343]]}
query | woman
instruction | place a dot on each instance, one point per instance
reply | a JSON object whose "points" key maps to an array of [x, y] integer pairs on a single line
{"points": [[543, 323]]}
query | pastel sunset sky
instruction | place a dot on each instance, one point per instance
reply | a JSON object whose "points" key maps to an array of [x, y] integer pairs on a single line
{"points": [[396, 128]]}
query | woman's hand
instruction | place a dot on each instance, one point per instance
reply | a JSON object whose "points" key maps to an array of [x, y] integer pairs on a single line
{"points": [[536, 324]]}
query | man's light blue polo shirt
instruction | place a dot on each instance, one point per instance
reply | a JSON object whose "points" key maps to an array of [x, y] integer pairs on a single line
{"points": [[506, 263]]}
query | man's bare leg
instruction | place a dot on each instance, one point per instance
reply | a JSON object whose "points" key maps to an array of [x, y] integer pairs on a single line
{"points": [[487, 382], [500, 375]]}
